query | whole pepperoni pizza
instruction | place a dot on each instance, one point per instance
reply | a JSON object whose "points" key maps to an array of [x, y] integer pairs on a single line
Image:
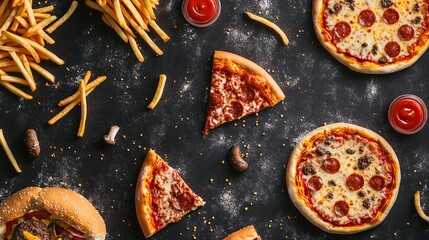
{"points": [[374, 36], [343, 178]]}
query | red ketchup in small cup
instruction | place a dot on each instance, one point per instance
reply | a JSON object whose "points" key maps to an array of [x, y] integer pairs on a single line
{"points": [[407, 114], [201, 13]]}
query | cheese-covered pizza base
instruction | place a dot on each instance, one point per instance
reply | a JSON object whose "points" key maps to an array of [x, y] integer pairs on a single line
{"points": [[239, 87], [343, 178], [162, 197], [371, 36]]}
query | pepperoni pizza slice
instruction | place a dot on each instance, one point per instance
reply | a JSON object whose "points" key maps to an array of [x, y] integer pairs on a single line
{"points": [[343, 178], [162, 197], [374, 36], [239, 87]]}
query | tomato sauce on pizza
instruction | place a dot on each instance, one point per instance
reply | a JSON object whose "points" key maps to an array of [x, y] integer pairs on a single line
{"points": [[370, 35], [344, 176], [238, 88]]}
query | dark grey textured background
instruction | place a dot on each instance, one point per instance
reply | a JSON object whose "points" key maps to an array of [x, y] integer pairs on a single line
{"points": [[318, 90]]}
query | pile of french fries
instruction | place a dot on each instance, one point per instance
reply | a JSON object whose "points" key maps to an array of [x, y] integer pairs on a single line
{"points": [[125, 15], [23, 35]]}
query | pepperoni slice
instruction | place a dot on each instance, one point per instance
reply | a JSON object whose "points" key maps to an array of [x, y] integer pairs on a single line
{"points": [[315, 183], [355, 181], [367, 18], [247, 94], [233, 111], [406, 32], [392, 49], [341, 30], [331, 165], [215, 99], [377, 182], [341, 208], [390, 16]]}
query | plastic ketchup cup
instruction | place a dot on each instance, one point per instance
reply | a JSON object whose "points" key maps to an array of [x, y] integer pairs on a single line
{"points": [[201, 13], [407, 114]]}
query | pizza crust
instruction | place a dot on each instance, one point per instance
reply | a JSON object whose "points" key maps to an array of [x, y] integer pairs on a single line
{"points": [[362, 67], [149, 171], [254, 69], [142, 201], [310, 214]]}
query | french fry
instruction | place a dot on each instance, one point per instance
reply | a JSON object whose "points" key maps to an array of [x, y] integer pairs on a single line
{"points": [[13, 79], [24, 72], [159, 91], [270, 25], [139, 14], [16, 90], [111, 23], [23, 42], [42, 71], [419, 207], [135, 48], [86, 77], [64, 18], [83, 108], [46, 9], [78, 97], [88, 87], [8, 152], [66, 110], [39, 26]]}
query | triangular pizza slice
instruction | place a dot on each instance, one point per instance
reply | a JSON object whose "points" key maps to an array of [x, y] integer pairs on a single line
{"points": [[239, 87], [162, 197]]}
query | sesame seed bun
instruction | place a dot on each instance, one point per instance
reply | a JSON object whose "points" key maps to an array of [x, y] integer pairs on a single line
{"points": [[64, 204]]}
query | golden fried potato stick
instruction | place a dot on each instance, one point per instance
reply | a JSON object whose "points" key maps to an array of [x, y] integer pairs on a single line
{"points": [[64, 18], [46, 9], [24, 72], [66, 110], [8, 152], [3, 6], [28, 69], [13, 79], [15, 23], [86, 77], [419, 207], [46, 52], [16, 90], [134, 12], [270, 25], [135, 48], [39, 26], [42, 71], [159, 91], [30, 12], [111, 23], [9, 20], [83, 109], [88, 87], [74, 99], [23, 42]]}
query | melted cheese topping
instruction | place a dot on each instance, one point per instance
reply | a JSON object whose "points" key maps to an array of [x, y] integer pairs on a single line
{"points": [[380, 33], [171, 198], [335, 186], [231, 89]]}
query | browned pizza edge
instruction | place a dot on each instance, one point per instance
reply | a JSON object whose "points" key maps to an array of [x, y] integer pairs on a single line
{"points": [[306, 211], [252, 68], [352, 63]]}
